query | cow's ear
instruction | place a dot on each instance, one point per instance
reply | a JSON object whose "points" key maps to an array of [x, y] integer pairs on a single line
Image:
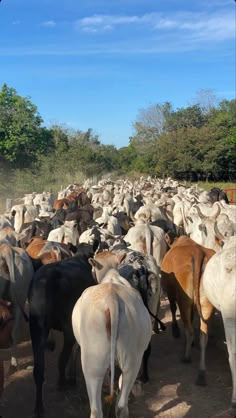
{"points": [[96, 245], [95, 263], [167, 238]]}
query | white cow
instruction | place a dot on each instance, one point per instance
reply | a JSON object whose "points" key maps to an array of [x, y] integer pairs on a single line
{"points": [[67, 233], [111, 323], [5, 221], [148, 239], [16, 272], [219, 282], [23, 214], [148, 213]]}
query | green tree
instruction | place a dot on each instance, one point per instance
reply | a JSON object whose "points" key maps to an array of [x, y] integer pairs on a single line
{"points": [[192, 116], [60, 137], [22, 138]]}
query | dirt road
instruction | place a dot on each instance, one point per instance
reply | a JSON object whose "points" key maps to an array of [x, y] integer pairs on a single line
{"points": [[171, 392]]}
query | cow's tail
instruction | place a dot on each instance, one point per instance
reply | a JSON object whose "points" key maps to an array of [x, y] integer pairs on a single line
{"points": [[112, 321], [197, 269], [8, 255], [61, 235], [149, 239]]}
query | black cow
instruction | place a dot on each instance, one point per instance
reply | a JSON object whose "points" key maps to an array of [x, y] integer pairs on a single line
{"points": [[217, 194], [58, 218], [36, 228], [168, 227], [54, 290], [83, 216]]}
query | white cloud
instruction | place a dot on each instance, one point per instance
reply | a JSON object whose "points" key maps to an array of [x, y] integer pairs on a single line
{"points": [[101, 22], [49, 23], [158, 33], [198, 26]]}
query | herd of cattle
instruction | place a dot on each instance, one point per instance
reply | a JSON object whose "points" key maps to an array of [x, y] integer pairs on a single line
{"points": [[95, 263]]}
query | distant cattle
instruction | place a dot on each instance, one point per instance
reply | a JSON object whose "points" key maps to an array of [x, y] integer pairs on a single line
{"points": [[36, 228], [66, 233], [47, 251], [22, 214], [217, 194], [148, 239]]}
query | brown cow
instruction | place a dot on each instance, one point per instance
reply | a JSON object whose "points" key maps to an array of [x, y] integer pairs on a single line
{"points": [[181, 272], [80, 199], [59, 203], [48, 251]]}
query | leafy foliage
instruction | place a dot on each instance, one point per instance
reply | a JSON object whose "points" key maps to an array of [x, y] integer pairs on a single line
{"points": [[193, 143], [22, 138]]}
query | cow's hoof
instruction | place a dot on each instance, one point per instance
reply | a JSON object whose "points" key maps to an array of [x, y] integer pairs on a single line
{"points": [[137, 389], [175, 331], [201, 379], [156, 329]]}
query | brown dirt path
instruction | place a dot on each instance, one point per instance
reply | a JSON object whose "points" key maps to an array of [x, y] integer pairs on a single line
{"points": [[171, 392]]}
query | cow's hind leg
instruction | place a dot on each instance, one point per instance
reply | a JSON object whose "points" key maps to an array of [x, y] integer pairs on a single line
{"points": [[72, 365], [130, 371], [39, 338], [128, 378], [94, 366], [175, 327], [64, 356], [144, 375], [94, 388], [230, 334], [186, 312], [206, 312]]}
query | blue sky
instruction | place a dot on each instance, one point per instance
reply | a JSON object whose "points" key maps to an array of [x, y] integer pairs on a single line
{"points": [[96, 63]]}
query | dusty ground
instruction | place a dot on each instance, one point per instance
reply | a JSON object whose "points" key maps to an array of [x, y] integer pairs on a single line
{"points": [[171, 392]]}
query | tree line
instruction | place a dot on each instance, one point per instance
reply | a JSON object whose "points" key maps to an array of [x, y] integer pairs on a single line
{"points": [[193, 143]]}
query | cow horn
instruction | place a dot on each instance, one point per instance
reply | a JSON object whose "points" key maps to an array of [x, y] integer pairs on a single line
{"points": [[217, 232], [213, 216], [216, 214], [200, 213]]}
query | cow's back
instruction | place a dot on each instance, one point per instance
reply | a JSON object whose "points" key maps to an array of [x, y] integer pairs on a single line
{"points": [[91, 310], [56, 287]]}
